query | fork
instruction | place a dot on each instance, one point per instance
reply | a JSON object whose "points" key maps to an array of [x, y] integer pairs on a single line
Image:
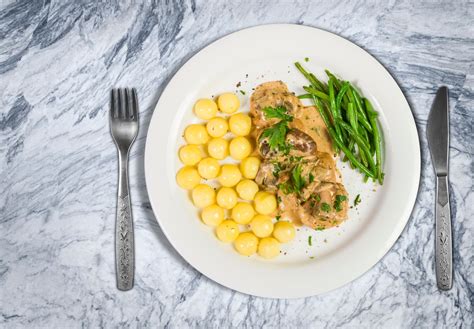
{"points": [[124, 129]]}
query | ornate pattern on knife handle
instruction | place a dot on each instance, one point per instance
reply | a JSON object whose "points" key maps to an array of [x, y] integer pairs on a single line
{"points": [[443, 246]]}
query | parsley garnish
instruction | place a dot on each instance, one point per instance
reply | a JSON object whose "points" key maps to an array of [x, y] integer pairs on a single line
{"points": [[319, 228], [277, 217], [278, 112], [298, 181], [357, 200], [242, 92], [337, 202], [311, 178], [325, 207], [310, 240], [306, 59], [277, 133], [317, 198]]}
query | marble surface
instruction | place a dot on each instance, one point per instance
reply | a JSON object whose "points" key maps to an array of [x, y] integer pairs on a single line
{"points": [[58, 170]]}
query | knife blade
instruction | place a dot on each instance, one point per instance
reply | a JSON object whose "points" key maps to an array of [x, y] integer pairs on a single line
{"points": [[437, 132]]}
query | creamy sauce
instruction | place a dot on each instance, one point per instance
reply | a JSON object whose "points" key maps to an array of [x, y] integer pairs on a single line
{"points": [[322, 201]]}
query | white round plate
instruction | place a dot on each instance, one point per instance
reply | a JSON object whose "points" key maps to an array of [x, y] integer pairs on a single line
{"points": [[336, 256]]}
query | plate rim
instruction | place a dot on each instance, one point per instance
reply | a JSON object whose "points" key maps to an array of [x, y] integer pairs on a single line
{"points": [[400, 225]]}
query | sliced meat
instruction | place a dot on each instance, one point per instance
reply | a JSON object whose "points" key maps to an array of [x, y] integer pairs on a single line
{"points": [[271, 94]]}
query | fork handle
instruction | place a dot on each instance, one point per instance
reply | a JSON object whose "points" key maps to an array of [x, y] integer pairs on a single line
{"points": [[443, 244], [124, 236]]}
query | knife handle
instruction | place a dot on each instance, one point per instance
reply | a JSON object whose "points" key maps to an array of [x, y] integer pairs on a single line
{"points": [[444, 242]]}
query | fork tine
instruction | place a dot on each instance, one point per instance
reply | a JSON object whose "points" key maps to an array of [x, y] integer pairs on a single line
{"points": [[129, 107], [121, 104], [135, 104], [113, 103]]}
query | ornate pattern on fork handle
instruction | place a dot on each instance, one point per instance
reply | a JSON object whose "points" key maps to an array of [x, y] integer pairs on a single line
{"points": [[125, 243]]}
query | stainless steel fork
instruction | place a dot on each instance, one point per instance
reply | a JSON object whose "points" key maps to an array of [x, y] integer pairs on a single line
{"points": [[124, 129]]}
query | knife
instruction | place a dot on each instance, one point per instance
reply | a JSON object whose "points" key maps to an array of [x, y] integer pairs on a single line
{"points": [[437, 132]]}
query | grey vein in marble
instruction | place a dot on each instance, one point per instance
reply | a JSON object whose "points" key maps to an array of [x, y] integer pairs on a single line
{"points": [[58, 61]]}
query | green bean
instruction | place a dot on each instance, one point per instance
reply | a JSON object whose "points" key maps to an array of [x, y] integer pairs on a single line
{"points": [[351, 157], [325, 118], [376, 135], [363, 147], [337, 82], [359, 102], [311, 77], [360, 118], [305, 96], [350, 116], [340, 96], [321, 85], [335, 114], [316, 92]]}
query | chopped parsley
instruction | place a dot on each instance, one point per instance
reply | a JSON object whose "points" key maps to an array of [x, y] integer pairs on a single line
{"points": [[242, 92], [306, 59], [317, 198], [310, 240], [357, 200], [311, 178], [298, 181], [276, 136], [325, 207], [277, 168], [337, 203], [278, 112], [277, 217], [319, 228]]}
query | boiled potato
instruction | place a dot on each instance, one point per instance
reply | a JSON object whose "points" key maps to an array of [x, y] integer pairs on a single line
{"points": [[240, 148], [247, 189], [228, 103], [205, 108], [230, 175], [217, 127], [188, 177], [203, 195], [212, 215], [209, 168], [269, 248], [227, 231], [249, 167], [240, 124], [284, 231], [218, 148], [242, 213], [246, 244], [262, 226], [190, 154], [196, 134], [226, 197], [265, 203]]}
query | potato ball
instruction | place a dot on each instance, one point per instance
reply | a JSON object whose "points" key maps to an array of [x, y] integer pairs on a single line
{"points": [[242, 213], [247, 189], [284, 231], [203, 195], [228, 103], [205, 108], [230, 175], [212, 215], [196, 134], [246, 244], [217, 127], [190, 154], [268, 248], [265, 203], [209, 168], [227, 231], [218, 148], [240, 124], [188, 177], [240, 148], [249, 167], [262, 226], [226, 197]]}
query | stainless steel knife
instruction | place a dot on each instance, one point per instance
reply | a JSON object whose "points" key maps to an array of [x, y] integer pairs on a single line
{"points": [[437, 132]]}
